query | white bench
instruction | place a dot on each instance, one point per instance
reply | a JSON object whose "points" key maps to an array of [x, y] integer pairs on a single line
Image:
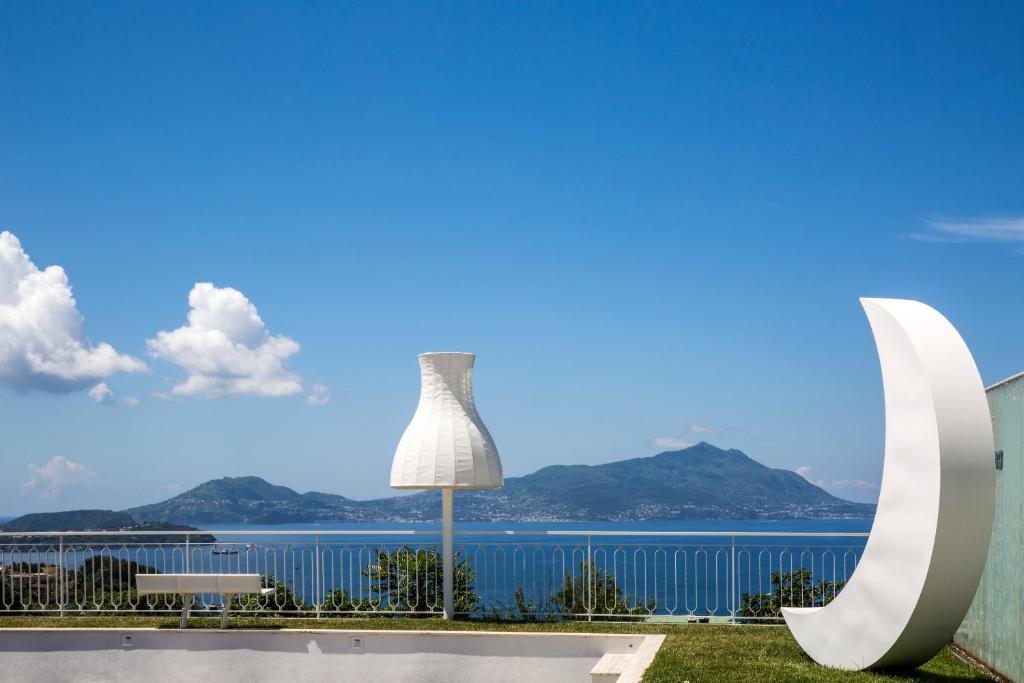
{"points": [[190, 585]]}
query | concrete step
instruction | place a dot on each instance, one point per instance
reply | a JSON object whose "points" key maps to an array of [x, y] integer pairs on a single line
{"points": [[609, 667]]}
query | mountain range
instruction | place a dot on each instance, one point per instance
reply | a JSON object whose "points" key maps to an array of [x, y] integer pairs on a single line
{"points": [[96, 520], [699, 482]]}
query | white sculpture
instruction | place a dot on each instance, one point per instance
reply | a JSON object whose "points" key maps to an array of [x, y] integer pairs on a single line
{"points": [[446, 446], [928, 543]]}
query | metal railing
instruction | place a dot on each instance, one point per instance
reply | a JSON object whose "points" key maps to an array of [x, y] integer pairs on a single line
{"points": [[589, 575]]}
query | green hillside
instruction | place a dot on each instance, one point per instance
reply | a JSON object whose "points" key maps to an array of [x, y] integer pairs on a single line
{"points": [[699, 482]]}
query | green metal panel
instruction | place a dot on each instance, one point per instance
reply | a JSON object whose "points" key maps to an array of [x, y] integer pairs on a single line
{"points": [[993, 630]]}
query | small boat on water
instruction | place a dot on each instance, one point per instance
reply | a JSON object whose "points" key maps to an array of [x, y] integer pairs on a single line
{"points": [[224, 550]]}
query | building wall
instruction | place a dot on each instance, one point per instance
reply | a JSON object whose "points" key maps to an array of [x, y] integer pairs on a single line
{"points": [[993, 630]]}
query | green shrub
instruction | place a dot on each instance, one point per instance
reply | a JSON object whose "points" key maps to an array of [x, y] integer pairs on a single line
{"points": [[792, 589], [283, 599], [408, 580]]}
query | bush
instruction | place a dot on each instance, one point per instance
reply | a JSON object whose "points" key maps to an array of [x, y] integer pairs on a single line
{"points": [[283, 599], [408, 580], [605, 597], [102, 583], [792, 589], [111, 574]]}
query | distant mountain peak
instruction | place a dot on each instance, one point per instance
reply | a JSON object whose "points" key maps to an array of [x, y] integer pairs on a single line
{"points": [[699, 447], [69, 520], [701, 481], [248, 486]]}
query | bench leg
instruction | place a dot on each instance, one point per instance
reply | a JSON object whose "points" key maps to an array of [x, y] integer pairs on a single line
{"points": [[186, 604], [224, 612]]}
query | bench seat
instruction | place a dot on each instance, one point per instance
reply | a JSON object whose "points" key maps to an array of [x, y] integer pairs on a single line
{"points": [[189, 585]]}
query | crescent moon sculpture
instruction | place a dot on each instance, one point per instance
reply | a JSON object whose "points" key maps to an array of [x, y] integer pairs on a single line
{"points": [[926, 552]]}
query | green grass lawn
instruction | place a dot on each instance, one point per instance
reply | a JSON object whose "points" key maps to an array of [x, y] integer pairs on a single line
{"points": [[697, 652]]}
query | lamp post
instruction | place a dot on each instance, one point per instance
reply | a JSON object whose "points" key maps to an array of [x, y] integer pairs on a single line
{"points": [[446, 446]]}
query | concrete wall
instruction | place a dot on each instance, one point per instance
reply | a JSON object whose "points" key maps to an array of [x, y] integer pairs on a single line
{"points": [[994, 628]]}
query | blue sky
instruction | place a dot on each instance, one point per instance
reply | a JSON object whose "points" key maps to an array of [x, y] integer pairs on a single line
{"points": [[650, 222]]}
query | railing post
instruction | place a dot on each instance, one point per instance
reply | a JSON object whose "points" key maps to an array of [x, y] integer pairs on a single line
{"points": [[588, 590], [318, 580], [60, 575], [732, 580], [188, 551]]}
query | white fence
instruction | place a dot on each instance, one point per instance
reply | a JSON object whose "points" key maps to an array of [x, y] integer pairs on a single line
{"points": [[595, 575]]}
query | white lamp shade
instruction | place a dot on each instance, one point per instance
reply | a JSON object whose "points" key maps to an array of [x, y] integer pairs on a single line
{"points": [[446, 445]]}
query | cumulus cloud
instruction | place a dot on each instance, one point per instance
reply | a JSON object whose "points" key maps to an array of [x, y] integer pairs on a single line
{"points": [[672, 442], [226, 348], [993, 229], [56, 475], [42, 335], [845, 484], [689, 438], [836, 484], [319, 395], [101, 393], [130, 401]]}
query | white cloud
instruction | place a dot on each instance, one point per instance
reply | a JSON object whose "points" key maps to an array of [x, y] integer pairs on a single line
{"points": [[226, 348], [996, 229], [836, 484], [42, 335], [841, 484], [672, 442], [694, 432], [101, 393], [130, 401], [59, 473], [319, 395]]}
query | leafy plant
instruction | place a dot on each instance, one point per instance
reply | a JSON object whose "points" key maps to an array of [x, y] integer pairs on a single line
{"points": [[102, 583], [283, 599], [790, 589], [111, 574], [338, 600], [410, 580], [589, 592], [595, 591]]}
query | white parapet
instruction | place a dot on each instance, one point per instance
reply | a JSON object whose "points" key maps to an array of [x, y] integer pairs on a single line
{"points": [[314, 656]]}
